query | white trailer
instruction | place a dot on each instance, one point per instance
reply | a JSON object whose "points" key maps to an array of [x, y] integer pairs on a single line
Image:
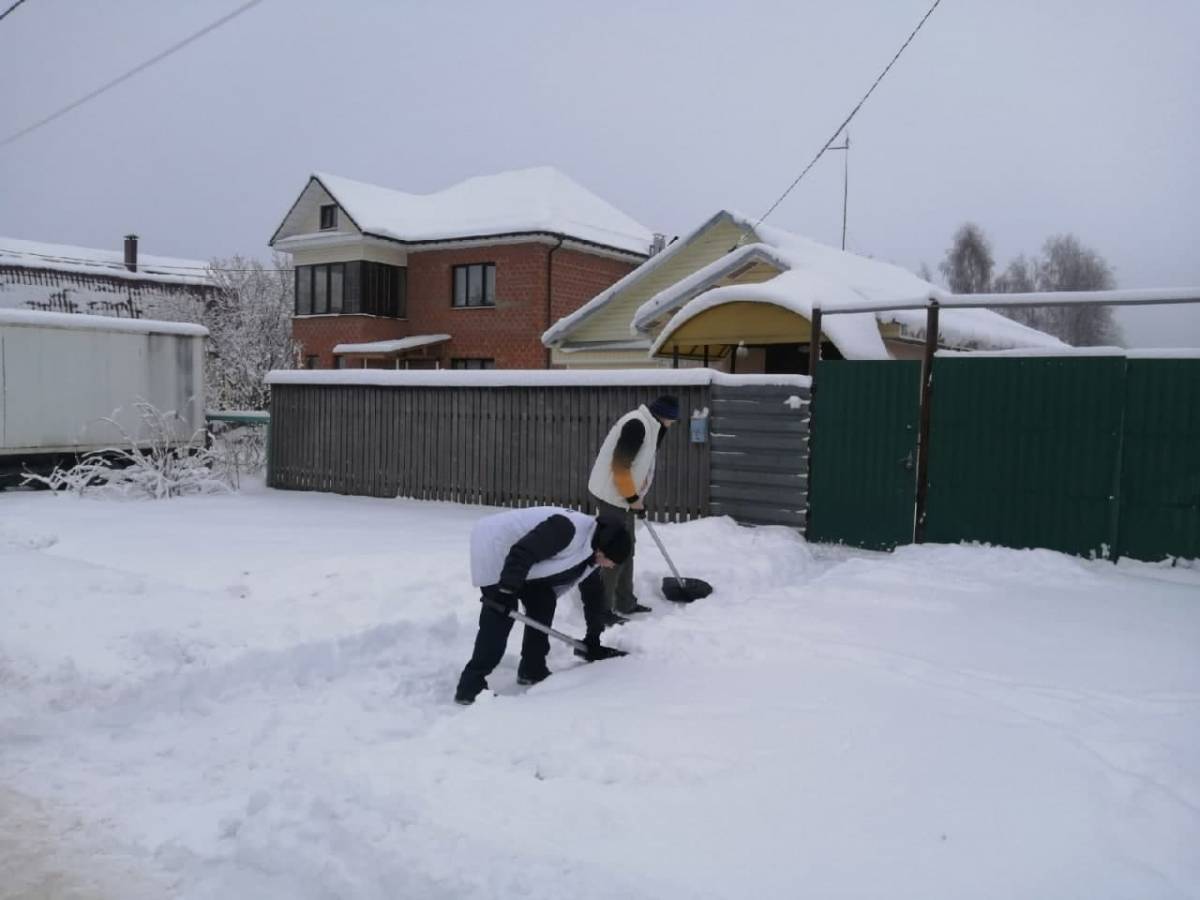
{"points": [[64, 376]]}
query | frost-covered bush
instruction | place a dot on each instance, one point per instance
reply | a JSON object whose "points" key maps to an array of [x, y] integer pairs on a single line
{"points": [[238, 450], [152, 464], [249, 322]]}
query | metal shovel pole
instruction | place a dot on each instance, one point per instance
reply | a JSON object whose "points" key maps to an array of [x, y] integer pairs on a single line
{"points": [[533, 623], [666, 555]]}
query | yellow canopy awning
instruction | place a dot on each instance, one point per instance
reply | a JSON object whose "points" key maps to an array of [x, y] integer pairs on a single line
{"points": [[736, 322]]}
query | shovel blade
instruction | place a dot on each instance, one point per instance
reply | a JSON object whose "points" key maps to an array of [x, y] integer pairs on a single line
{"points": [[685, 590]]}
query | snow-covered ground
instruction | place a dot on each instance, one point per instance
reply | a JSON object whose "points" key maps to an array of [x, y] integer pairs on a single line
{"points": [[249, 696]]}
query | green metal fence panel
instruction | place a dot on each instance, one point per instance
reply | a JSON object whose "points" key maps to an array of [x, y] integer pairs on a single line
{"points": [[863, 452], [1024, 452], [1160, 485]]}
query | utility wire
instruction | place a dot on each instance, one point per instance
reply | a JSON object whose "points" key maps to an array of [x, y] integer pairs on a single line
{"points": [[11, 8], [134, 71], [833, 137]]}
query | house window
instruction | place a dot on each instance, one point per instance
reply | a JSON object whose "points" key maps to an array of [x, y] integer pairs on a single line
{"points": [[329, 216], [304, 290], [383, 290], [367, 288], [310, 362], [475, 285], [472, 364], [320, 289], [337, 278]]}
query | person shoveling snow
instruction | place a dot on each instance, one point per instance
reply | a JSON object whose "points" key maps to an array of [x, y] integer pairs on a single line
{"points": [[534, 555]]}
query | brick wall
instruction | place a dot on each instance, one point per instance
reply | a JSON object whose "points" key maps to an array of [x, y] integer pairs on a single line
{"points": [[318, 335], [578, 277], [510, 332]]}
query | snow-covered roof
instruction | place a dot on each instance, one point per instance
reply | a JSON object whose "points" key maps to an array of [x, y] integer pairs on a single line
{"points": [[78, 321], [568, 323], [396, 346], [106, 263], [856, 336], [525, 201], [814, 274], [969, 328], [868, 279]]}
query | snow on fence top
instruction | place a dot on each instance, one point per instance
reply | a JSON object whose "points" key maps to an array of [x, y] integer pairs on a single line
{"points": [[528, 378], [540, 199], [106, 263], [1136, 353], [396, 346], [79, 322]]}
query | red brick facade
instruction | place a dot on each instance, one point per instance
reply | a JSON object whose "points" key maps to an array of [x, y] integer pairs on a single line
{"points": [[509, 333]]}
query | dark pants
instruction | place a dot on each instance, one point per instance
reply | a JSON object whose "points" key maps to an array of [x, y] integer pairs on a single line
{"points": [[494, 628], [618, 581]]}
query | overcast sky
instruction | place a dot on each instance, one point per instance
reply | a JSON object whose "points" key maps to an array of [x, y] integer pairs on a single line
{"points": [[1030, 117]]}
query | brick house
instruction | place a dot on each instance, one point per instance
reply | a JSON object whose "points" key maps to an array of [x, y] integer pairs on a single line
{"points": [[467, 277]]}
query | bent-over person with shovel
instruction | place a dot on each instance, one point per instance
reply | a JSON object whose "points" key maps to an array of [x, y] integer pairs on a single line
{"points": [[535, 555], [621, 476]]}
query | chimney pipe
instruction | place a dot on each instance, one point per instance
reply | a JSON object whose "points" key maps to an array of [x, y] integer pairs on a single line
{"points": [[131, 252], [658, 244]]}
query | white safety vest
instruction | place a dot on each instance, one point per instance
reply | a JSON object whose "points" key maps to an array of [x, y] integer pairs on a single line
{"points": [[601, 485], [493, 537]]}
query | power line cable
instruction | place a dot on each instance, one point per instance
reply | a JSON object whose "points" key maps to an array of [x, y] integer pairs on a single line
{"points": [[833, 137], [11, 8], [134, 71]]}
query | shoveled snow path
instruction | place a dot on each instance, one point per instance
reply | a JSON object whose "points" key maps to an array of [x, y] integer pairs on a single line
{"points": [[249, 696]]}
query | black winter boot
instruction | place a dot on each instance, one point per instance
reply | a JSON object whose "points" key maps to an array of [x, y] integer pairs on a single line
{"points": [[469, 686], [532, 674]]}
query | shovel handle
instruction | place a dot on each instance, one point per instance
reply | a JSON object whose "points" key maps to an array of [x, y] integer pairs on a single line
{"points": [[663, 551], [534, 623]]}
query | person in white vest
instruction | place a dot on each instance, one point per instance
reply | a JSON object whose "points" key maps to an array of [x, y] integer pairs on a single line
{"points": [[535, 555], [621, 476]]}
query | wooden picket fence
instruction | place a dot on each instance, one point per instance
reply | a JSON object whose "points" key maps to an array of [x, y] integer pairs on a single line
{"points": [[512, 444]]}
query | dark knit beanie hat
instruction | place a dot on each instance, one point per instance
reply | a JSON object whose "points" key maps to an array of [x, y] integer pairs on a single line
{"points": [[612, 539], [666, 407]]}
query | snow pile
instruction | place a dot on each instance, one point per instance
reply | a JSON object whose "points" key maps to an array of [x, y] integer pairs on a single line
{"points": [[540, 199], [249, 696]]}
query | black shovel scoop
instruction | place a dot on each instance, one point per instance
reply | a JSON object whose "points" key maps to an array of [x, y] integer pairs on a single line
{"points": [[678, 589]]}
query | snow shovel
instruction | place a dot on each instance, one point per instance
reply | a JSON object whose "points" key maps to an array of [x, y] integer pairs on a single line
{"points": [[678, 589], [581, 649]]}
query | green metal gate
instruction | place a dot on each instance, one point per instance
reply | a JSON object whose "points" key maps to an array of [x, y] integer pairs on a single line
{"points": [[1160, 460], [1024, 452], [1090, 455], [863, 450]]}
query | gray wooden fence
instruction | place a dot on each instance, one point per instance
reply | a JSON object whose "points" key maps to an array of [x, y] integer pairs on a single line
{"points": [[759, 471], [532, 445], [501, 446]]}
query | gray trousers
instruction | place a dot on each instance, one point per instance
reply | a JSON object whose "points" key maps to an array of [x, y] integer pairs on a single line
{"points": [[618, 581]]}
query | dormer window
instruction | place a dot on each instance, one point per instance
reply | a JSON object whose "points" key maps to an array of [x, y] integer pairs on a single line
{"points": [[329, 216]]}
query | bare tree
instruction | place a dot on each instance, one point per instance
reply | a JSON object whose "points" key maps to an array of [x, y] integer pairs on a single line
{"points": [[924, 272], [1065, 265], [1019, 277], [968, 264], [249, 323]]}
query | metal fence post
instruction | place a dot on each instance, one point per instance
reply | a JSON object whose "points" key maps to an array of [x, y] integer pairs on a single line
{"points": [[931, 339]]}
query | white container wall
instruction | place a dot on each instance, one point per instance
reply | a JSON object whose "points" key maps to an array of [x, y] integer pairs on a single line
{"points": [[62, 375]]}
